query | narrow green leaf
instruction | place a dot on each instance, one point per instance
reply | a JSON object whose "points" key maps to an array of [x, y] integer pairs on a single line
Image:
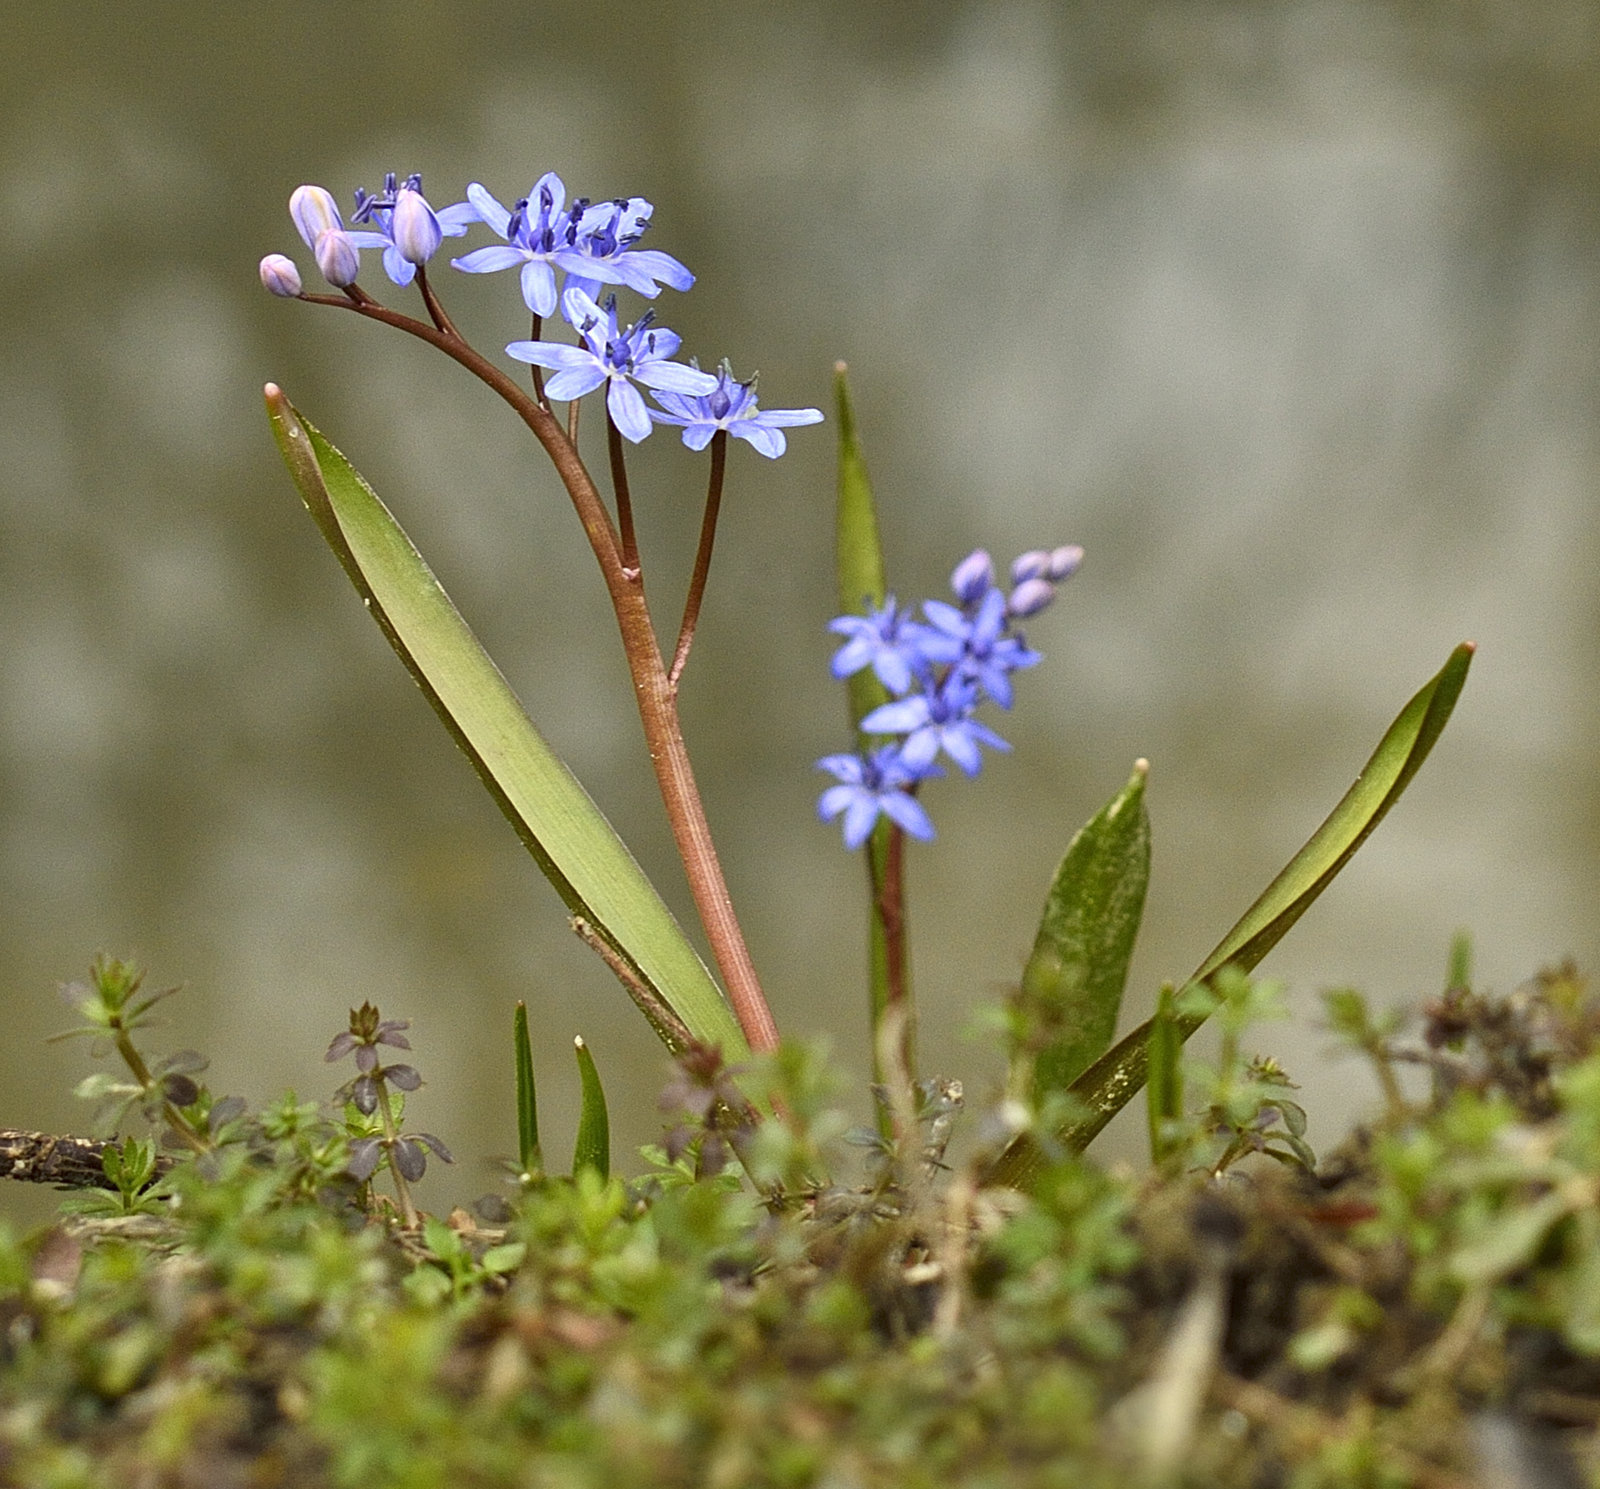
{"points": [[863, 583], [1115, 1078], [1166, 1075], [1459, 972], [593, 1148], [528, 1154], [1071, 991], [567, 834]]}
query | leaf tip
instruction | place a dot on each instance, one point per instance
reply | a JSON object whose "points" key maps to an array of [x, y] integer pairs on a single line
{"points": [[840, 368], [577, 1042], [1141, 767]]}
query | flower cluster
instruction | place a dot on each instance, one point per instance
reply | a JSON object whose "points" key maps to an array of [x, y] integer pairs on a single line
{"points": [[939, 669], [566, 254]]}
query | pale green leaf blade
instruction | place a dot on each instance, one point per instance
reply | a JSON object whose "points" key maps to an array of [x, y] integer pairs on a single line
{"points": [[1065, 1010], [862, 582], [593, 1147], [529, 1155], [567, 834]]}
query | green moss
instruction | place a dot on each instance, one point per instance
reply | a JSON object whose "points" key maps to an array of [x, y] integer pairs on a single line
{"points": [[258, 1318]]}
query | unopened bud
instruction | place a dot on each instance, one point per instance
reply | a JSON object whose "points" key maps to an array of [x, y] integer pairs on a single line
{"points": [[338, 258], [315, 212], [280, 276], [1030, 597], [1030, 565], [1064, 561], [417, 233], [973, 577]]}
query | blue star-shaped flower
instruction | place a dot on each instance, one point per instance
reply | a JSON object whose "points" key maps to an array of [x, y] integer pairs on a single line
{"points": [[590, 245], [882, 639], [937, 718], [986, 654], [613, 357], [870, 786], [607, 232], [731, 405]]}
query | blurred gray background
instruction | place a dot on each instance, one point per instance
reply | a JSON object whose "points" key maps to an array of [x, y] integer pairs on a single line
{"points": [[1287, 312]]}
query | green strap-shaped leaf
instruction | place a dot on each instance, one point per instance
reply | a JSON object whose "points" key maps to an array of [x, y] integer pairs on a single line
{"points": [[567, 834], [862, 583], [529, 1155], [593, 1147], [1115, 1078], [1071, 991], [859, 547]]}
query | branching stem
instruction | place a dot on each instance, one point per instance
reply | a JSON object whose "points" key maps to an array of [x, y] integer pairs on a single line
{"points": [[391, 1133], [702, 558], [654, 693], [624, 500]]}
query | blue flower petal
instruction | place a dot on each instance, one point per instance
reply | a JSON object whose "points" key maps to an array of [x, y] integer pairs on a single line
{"points": [[487, 260], [627, 410], [907, 813], [770, 442], [538, 287], [575, 382], [489, 209]]}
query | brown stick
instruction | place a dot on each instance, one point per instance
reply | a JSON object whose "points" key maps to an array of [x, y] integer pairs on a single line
{"points": [[48, 1158]]}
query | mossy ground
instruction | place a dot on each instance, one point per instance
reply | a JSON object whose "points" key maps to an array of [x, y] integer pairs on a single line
{"points": [[1423, 1310]]}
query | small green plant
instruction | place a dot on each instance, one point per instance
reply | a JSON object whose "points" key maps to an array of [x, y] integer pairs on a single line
{"points": [[375, 1108], [1242, 1107], [131, 1168]]}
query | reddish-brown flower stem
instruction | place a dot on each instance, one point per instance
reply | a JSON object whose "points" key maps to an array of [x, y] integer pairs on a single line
{"points": [[702, 558], [538, 372], [624, 499], [889, 905], [654, 694], [435, 309]]}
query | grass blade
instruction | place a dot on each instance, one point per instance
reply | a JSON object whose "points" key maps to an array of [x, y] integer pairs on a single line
{"points": [[593, 1147], [859, 551], [528, 1154], [567, 834]]}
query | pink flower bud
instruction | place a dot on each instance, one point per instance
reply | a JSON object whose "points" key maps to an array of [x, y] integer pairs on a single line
{"points": [[1030, 597], [315, 212], [280, 276], [1030, 565], [417, 233], [338, 258], [973, 577], [1064, 562]]}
